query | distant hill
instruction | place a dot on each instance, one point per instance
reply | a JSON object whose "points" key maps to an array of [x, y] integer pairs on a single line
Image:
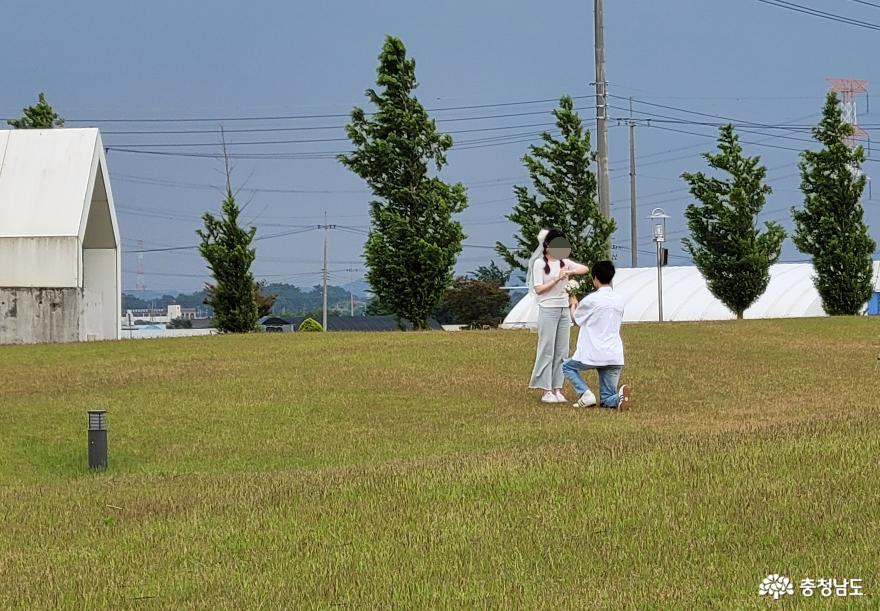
{"points": [[359, 288]]}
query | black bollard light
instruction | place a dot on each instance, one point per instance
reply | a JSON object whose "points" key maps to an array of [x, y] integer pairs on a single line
{"points": [[97, 439]]}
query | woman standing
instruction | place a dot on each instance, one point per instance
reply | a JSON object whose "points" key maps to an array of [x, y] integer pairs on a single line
{"points": [[549, 270]]}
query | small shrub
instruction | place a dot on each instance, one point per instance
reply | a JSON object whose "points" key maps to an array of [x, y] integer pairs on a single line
{"points": [[310, 324], [475, 303]]}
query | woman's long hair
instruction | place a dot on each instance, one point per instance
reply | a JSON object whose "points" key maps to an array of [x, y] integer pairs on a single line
{"points": [[551, 235]]}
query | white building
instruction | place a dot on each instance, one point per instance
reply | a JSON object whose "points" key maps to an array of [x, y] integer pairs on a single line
{"points": [[790, 294], [59, 241], [171, 312]]}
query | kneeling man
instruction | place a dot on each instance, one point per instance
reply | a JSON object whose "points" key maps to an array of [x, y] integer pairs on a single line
{"points": [[598, 316]]}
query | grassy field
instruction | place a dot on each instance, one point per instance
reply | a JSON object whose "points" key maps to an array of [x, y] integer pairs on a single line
{"points": [[416, 470]]}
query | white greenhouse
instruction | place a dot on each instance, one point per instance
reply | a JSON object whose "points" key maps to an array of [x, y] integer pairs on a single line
{"points": [[790, 294], [59, 240]]}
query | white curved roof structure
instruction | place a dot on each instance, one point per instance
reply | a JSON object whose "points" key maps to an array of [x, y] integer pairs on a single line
{"points": [[790, 294]]}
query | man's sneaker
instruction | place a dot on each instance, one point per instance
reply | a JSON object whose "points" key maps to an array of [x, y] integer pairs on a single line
{"points": [[560, 398], [624, 396], [549, 397], [588, 399]]}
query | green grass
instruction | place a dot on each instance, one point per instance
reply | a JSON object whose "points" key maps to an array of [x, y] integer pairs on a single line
{"points": [[416, 470]]}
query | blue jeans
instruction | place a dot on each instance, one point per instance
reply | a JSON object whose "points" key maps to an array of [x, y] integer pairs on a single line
{"points": [[609, 376]]}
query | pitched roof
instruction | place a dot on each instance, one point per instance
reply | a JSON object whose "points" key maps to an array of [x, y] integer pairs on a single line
{"points": [[46, 177], [272, 321]]}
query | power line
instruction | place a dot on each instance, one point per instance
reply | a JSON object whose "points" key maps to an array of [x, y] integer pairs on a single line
{"points": [[328, 115], [754, 143], [315, 140], [651, 122], [703, 114], [196, 246], [866, 3], [302, 229], [713, 136], [477, 143], [685, 110], [791, 6], [261, 130], [158, 182], [476, 184]]}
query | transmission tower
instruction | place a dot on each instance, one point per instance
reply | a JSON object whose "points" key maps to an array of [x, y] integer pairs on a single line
{"points": [[848, 89]]}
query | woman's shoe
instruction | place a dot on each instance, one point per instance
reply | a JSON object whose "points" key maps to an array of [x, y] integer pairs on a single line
{"points": [[549, 397]]}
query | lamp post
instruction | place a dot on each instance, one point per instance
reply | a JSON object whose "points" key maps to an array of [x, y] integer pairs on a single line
{"points": [[658, 220], [97, 439]]}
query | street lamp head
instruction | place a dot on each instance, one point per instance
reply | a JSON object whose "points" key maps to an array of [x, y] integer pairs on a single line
{"points": [[658, 219], [97, 420]]}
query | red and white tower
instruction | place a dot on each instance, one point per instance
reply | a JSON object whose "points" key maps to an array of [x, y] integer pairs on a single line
{"points": [[848, 89]]}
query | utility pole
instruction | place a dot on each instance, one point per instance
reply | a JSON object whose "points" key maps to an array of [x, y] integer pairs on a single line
{"points": [[602, 114], [326, 228], [325, 273], [633, 223], [351, 271]]}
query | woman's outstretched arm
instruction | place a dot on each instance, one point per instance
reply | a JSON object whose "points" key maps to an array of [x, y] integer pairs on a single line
{"points": [[575, 268]]}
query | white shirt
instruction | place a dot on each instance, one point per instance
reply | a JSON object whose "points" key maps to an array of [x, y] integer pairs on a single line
{"points": [[599, 316], [557, 296]]}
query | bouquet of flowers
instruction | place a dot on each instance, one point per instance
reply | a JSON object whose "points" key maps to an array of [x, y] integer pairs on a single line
{"points": [[576, 288]]}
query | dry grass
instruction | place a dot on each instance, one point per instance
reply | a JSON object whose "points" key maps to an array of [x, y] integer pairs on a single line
{"points": [[416, 470]]}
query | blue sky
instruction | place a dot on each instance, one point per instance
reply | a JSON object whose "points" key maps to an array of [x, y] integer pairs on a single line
{"points": [[221, 60]]}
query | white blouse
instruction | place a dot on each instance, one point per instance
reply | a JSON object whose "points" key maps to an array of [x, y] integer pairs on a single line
{"points": [[556, 297]]}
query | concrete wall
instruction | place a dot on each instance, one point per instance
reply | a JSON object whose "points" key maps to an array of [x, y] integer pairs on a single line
{"points": [[91, 321], [36, 315], [40, 262], [100, 281]]}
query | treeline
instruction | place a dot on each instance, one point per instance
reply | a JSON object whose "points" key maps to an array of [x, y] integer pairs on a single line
{"points": [[289, 300]]}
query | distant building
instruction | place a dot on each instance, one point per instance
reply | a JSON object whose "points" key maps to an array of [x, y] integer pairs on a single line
{"points": [[167, 314], [159, 315], [274, 324], [59, 239]]}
